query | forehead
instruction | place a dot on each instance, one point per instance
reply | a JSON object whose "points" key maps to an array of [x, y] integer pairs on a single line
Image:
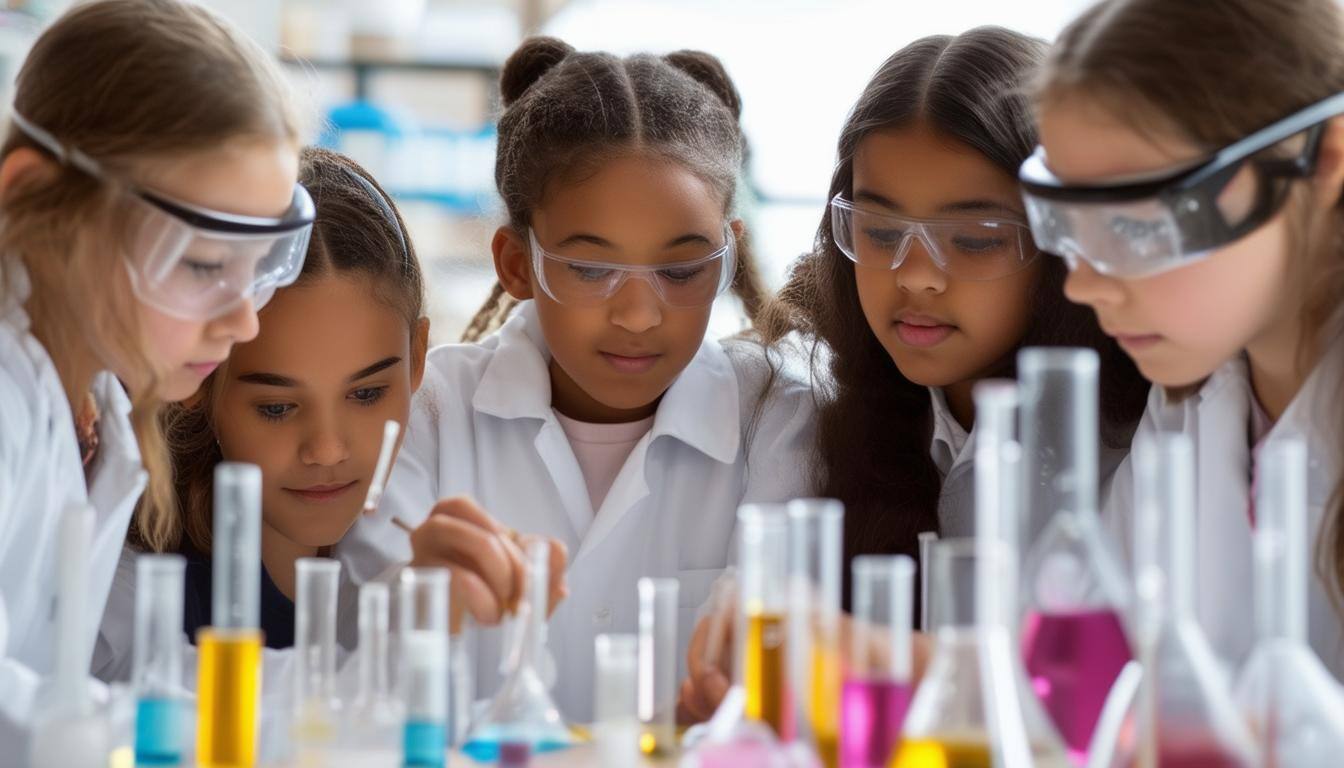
{"points": [[634, 193], [323, 330], [923, 170], [1086, 140]]}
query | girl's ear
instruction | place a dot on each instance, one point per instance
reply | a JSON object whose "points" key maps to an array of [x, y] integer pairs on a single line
{"points": [[24, 167], [419, 348], [511, 263], [1329, 178]]}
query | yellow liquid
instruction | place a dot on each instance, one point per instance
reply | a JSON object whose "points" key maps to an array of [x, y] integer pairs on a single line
{"points": [[942, 754], [824, 707], [765, 671], [229, 687]]}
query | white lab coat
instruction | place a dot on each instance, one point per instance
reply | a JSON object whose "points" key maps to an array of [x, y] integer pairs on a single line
{"points": [[953, 452], [1217, 419], [41, 473], [482, 426]]}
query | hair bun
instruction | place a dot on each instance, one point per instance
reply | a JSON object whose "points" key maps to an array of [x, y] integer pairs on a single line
{"points": [[535, 57], [709, 72]]}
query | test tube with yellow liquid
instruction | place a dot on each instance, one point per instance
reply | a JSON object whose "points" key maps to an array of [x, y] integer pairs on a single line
{"points": [[229, 673], [763, 615], [658, 666], [815, 569]]}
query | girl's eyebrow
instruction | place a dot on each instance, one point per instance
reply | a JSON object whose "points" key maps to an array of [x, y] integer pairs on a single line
{"points": [[268, 379], [276, 380], [601, 242], [381, 365]]}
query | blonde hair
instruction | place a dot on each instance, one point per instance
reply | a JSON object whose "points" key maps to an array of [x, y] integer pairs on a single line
{"points": [[1164, 67], [128, 82]]}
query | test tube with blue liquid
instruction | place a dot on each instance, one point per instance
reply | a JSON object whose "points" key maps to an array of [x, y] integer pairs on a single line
{"points": [[156, 661], [424, 666]]}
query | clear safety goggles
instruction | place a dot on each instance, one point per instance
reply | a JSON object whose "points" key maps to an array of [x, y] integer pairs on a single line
{"points": [[966, 248], [579, 282], [1136, 227], [194, 263]]}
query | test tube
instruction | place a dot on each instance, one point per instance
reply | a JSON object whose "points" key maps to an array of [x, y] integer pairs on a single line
{"points": [[658, 665], [998, 463], [317, 582], [615, 704], [424, 665], [156, 660], [816, 528], [374, 633], [229, 651], [878, 687], [67, 730], [1059, 416], [1281, 540], [926, 541], [762, 624]]}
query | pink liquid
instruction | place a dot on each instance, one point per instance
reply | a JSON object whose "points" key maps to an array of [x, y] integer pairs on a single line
{"points": [[1194, 753], [871, 713], [1073, 659]]}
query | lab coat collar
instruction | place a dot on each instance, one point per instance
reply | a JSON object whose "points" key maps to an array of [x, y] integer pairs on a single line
{"points": [[950, 445], [700, 409]]}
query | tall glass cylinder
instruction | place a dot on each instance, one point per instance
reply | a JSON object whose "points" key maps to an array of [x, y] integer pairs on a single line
{"points": [[229, 651], [156, 660], [658, 665], [816, 531], [878, 685], [317, 580], [763, 661], [424, 666], [615, 700]]}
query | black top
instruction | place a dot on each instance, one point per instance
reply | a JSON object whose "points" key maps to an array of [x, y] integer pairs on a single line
{"points": [[277, 611]]}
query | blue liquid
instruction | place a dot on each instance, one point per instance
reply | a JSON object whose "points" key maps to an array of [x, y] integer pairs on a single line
{"points": [[485, 748], [423, 744], [159, 732]]}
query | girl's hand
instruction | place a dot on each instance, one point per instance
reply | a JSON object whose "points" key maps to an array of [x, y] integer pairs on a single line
{"points": [[709, 661], [709, 665], [486, 560]]}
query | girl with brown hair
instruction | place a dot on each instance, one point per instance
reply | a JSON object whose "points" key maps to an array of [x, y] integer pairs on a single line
{"points": [[923, 281], [148, 205], [1190, 174], [599, 414]]}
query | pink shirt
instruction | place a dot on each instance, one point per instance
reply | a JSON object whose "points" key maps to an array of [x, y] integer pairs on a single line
{"points": [[601, 450]]}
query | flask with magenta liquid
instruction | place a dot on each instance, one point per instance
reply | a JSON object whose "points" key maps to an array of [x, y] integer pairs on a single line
{"points": [[878, 683], [1073, 640]]}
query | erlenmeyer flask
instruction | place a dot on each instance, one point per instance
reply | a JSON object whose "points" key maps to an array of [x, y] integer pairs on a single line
{"points": [[522, 711], [1180, 715], [1073, 640], [974, 707], [1287, 694]]}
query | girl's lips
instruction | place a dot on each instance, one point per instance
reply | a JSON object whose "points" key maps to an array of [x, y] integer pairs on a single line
{"points": [[202, 369], [919, 334], [321, 493], [628, 364], [1132, 342]]}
